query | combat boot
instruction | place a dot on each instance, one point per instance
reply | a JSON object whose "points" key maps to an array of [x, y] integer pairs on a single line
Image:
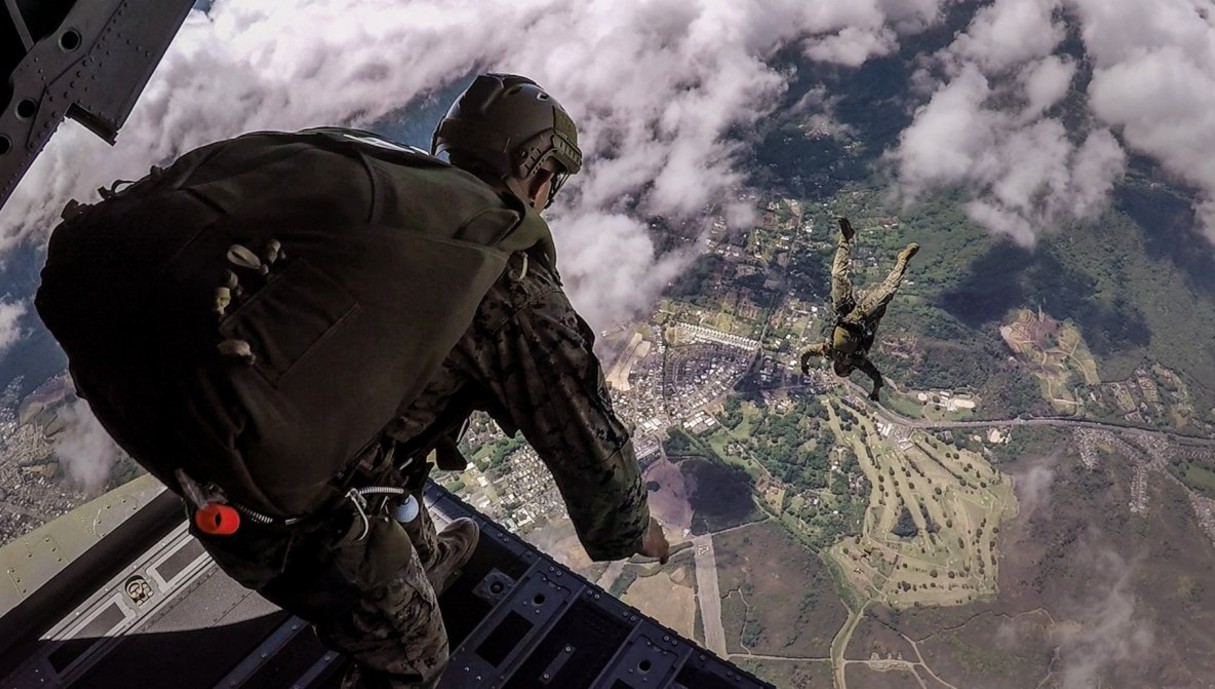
{"points": [[907, 253], [846, 231], [454, 546]]}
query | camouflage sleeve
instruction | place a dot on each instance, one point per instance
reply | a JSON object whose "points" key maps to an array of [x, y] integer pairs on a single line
{"points": [[540, 370], [866, 366]]}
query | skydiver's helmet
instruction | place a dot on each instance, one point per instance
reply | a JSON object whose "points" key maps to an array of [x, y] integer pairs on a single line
{"points": [[843, 341], [509, 126]]}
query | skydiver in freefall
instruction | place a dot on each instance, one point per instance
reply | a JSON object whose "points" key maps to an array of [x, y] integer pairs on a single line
{"points": [[856, 322]]}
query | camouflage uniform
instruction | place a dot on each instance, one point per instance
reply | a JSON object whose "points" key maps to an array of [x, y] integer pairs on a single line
{"points": [[856, 324], [527, 360]]}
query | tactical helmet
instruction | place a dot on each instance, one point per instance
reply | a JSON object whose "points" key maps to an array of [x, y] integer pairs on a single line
{"points": [[511, 126], [843, 341]]}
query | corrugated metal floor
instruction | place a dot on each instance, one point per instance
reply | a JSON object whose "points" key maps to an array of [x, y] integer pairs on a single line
{"points": [[516, 620]]}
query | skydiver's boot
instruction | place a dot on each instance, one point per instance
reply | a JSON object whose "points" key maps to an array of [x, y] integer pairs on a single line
{"points": [[846, 231], [453, 548], [907, 253]]}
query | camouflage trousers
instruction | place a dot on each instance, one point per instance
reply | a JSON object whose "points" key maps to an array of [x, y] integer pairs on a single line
{"points": [[873, 302], [364, 589]]}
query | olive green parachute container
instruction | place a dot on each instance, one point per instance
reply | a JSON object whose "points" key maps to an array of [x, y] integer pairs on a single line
{"points": [[258, 311]]}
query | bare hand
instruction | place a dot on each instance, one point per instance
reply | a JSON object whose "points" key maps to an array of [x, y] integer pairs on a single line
{"points": [[655, 543]]}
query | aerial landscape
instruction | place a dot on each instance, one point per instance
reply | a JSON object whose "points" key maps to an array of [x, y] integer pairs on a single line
{"points": [[1031, 505]]}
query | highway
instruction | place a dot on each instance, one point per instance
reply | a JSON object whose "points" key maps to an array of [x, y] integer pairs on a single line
{"points": [[1056, 422]]}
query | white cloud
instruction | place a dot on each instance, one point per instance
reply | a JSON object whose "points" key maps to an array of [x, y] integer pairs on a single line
{"points": [[85, 450], [1152, 91], [1097, 165], [819, 107], [286, 65], [1046, 83], [1111, 634], [658, 145], [1154, 81], [10, 322], [1033, 489], [988, 127], [1008, 33], [853, 47], [948, 133]]}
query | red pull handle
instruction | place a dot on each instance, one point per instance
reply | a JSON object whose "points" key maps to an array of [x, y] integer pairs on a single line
{"points": [[217, 519]]}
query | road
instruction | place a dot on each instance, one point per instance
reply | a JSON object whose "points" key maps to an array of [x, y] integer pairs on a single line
{"points": [[708, 593], [894, 417]]}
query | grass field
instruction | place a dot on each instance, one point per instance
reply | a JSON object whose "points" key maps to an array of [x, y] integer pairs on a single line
{"points": [[1200, 478], [788, 674], [864, 677], [777, 597], [1056, 354], [948, 504], [667, 594]]}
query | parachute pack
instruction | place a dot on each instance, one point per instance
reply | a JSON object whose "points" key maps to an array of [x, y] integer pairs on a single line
{"points": [[255, 313]]}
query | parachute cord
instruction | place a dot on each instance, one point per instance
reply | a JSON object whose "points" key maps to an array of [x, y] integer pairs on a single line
{"points": [[380, 490], [355, 495], [265, 519], [254, 516], [522, 270], [359, 502]]}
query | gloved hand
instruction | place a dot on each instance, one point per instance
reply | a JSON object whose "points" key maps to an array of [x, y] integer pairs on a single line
{"points": [[874, 395], [655, 543]]}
